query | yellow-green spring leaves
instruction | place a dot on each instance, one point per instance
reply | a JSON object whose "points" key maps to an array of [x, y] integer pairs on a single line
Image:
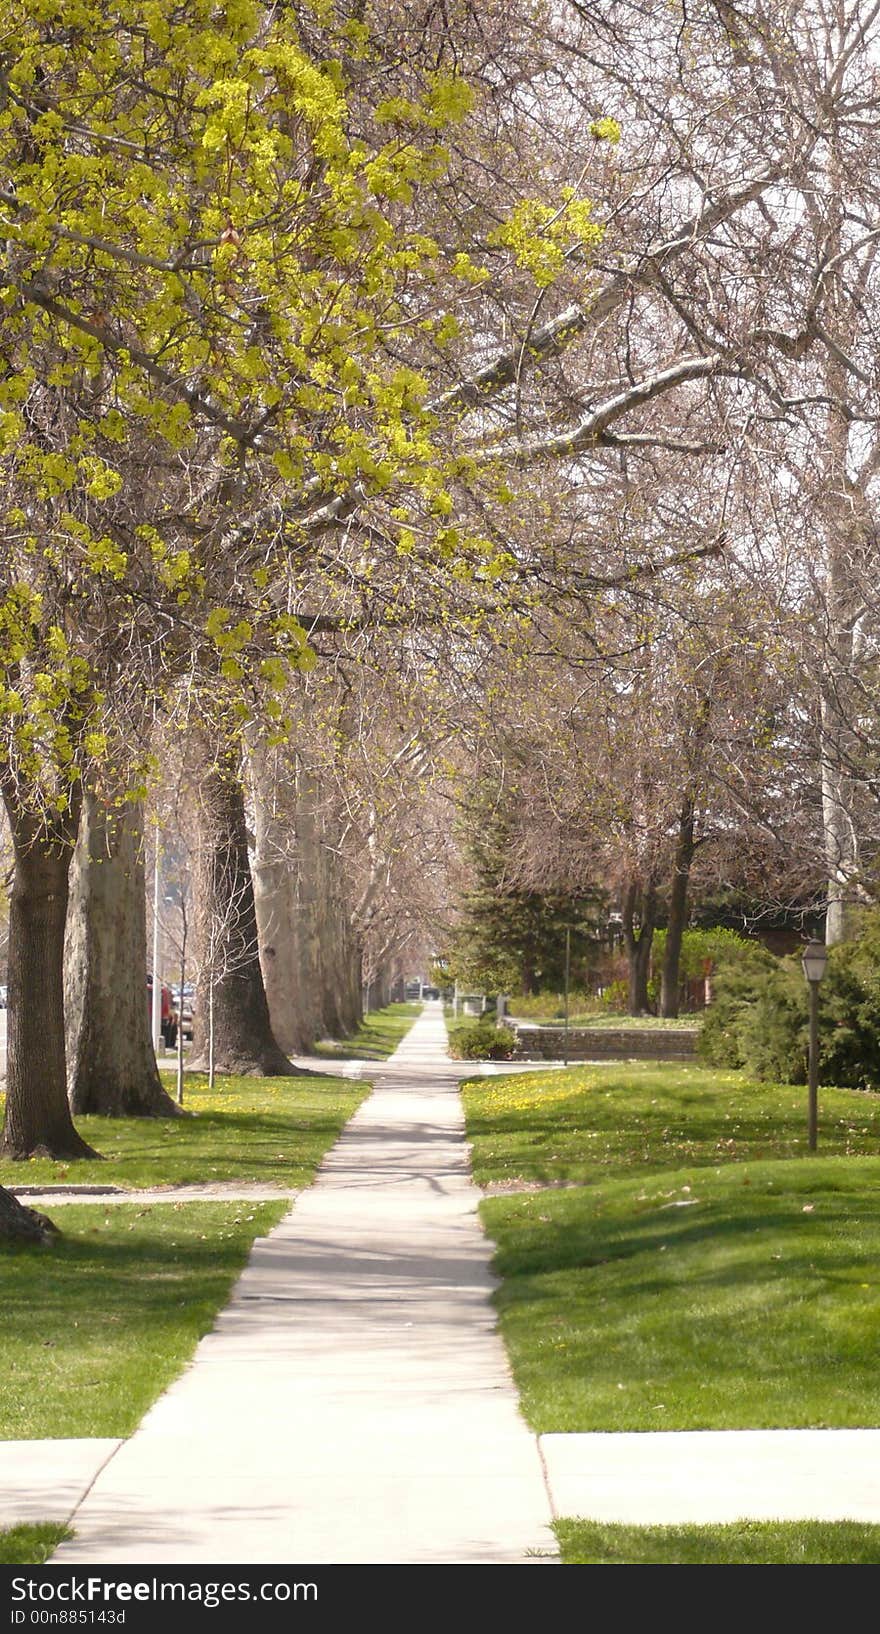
{"points": [[606, 130], [541, 235]]}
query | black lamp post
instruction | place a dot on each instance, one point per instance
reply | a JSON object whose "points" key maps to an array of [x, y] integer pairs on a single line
{"points": [[814, 960]]}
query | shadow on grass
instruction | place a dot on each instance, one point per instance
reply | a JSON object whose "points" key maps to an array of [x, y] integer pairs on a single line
{"points": [[752, 1306], [100, 1323], [271, 1129], [535, 1241], [602, 1132]]}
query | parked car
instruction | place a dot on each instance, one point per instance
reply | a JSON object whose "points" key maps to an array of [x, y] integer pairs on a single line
{"points": [[183, 1001], [169, 1014]]}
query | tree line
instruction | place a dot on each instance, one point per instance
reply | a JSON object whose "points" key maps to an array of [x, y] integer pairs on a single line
{"points": [[395, 400]]}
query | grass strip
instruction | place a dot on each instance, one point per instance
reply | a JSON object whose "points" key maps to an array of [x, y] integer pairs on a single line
{"points": [[744, 1543], [30, 1545], [586, 1122], [377, 1037], [704, 1271], [97, 1327], [275, 1130], [743, 1298]]}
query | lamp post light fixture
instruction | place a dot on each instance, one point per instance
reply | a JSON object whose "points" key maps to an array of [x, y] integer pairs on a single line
{"points": [[814, 960]]}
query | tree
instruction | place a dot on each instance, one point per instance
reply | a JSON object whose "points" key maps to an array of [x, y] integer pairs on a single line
{"points": [[509, 938], [158, 320], [37, 1114], [24, 1225], [233, 1030], [112, 1067], [289, 352]]}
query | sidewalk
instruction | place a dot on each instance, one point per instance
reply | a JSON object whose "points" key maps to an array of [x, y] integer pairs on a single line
{"points": [[353, 1403]]}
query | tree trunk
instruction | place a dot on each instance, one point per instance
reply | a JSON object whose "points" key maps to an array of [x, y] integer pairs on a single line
{"points": [[353, 986], [230, 963], [850, 539], [327, 936], [309, 905], [529, 981], [279, 920], [184, 937], [343, 974], [684, 856], [19, 1224], [638, 944], [111, 1062], [839, 828], [38, 1120]]}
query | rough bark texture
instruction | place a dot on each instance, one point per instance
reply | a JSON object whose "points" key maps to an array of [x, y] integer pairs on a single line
{"points": [[309, 901], [326, 929], [22, 1224], [339, 953], [684, 856], [344, 972], [243, 1037], [638, 943], [281, 918], [111, 1063], [19, 1224], [38, 1120]]}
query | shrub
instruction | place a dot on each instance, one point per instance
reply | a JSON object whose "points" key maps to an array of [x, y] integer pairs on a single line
{"points": [[550, 1006], [759, 1016], [615, 998], [482, 1042], [849, 1012], [773, 1030], [738, 981]]}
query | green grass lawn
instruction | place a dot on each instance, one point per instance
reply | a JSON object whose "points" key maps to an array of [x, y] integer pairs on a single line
{"points": [[30, 1545], [745, 1543], [705, 1272], [377, 1037], [689, 1023], [588, 1121], [249, 1129], [97, 1326], [747, 1297]]}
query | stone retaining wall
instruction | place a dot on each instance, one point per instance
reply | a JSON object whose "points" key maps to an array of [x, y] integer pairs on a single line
{"points": [[604, 1044]]}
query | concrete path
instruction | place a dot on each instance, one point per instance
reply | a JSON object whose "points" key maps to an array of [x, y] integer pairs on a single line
{"points": [[353, 1403], [214, 1191], [46, 1480], [703, 1477]]}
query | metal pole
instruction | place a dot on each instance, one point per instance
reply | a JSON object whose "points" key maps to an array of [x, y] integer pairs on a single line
{"points": [[567, 983], [156, 1015], [814, 1066]]}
